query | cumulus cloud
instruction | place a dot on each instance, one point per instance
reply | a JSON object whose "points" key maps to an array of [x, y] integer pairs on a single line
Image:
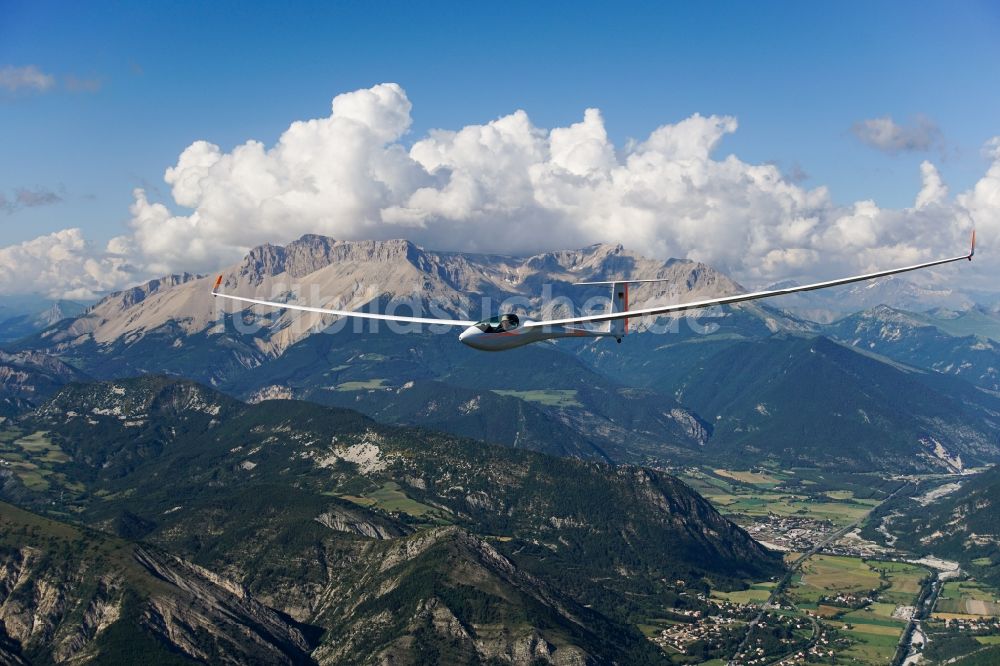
{"points": [[933, 191], [61, 265], [27, 78], [886, 135], [510, 186]]}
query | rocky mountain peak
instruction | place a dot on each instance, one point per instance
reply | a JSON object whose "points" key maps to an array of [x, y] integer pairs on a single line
{"points": [[262, 261], [594, 257], [885, 314], [312, 252], [125, 299], [59, 310]]}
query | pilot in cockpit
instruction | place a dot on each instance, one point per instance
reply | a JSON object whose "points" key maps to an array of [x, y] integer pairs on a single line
{"points": [[508, 322]]}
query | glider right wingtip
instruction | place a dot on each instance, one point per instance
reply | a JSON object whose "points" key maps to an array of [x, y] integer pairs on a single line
{"points": [[972, 251], [218, 281]]}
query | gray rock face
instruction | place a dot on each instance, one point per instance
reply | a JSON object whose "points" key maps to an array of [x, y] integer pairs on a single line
{"points": [[129, 297], [27, 377], [243, 629], [340, 519], [61, 609]]}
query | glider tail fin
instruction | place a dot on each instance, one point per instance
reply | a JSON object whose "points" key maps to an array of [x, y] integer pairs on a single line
{"points": [[618, 328]]}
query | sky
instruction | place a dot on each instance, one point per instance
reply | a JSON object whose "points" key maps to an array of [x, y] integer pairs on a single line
{"points": [[772, 139]]}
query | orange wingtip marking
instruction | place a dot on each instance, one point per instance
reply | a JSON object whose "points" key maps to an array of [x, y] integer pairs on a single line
{"points": [[218, 281]]}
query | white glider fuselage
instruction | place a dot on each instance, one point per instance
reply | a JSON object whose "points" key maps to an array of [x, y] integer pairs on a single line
{"points": [[489, 335]]}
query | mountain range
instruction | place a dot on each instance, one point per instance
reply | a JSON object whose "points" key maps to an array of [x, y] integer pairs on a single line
{"points": [[299, 533], [924, 341], [638, 402], [296, 490]]}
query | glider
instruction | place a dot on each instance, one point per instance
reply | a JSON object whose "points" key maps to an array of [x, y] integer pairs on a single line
{"points": [[507, 331]]}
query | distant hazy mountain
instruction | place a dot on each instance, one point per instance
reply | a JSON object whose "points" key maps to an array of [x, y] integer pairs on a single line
{"points": [[23, 316], [981, 320], [812, 401], [919, 339], [345, 539], [899, 292]]}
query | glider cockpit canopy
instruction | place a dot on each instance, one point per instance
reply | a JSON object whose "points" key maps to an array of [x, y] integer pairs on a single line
{"points": [[499, 324]]}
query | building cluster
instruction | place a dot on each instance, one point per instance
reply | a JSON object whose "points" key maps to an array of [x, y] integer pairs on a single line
{"points": [[789, 533], [982, 626], [717, 626], [849, 600], [681, 636], [758, 653]]}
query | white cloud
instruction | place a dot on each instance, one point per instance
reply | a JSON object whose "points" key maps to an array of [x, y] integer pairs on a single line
{"points": [[886, 135], [510, 186], [28, 77], [61, 265], [933, 191]]}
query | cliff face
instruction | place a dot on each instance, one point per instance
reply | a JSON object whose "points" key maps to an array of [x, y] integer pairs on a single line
{"points": [[29, 377], [73, 596]]}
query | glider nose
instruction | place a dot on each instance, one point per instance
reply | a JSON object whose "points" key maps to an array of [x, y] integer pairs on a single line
{"points": [[466, 335]]}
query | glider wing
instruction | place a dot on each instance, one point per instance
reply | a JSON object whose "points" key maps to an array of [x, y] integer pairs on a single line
{"points": [[740, 298], [341, 313]]}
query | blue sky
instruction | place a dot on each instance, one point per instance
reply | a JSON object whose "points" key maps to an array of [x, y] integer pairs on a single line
{"points": [[797, 75]]}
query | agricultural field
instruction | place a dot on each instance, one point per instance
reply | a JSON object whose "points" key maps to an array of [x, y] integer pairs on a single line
{"points": [[759, 493], [859, 600], [366, 385], [755, 478], [962, 599], [758, 593], [31, 457], [390, 498], [872, 644], [879, 588], [547, 397], [827, 576], [905, 580]]}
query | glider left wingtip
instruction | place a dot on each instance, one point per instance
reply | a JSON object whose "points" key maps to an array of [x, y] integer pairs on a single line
{"points": [[218, 281]]}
